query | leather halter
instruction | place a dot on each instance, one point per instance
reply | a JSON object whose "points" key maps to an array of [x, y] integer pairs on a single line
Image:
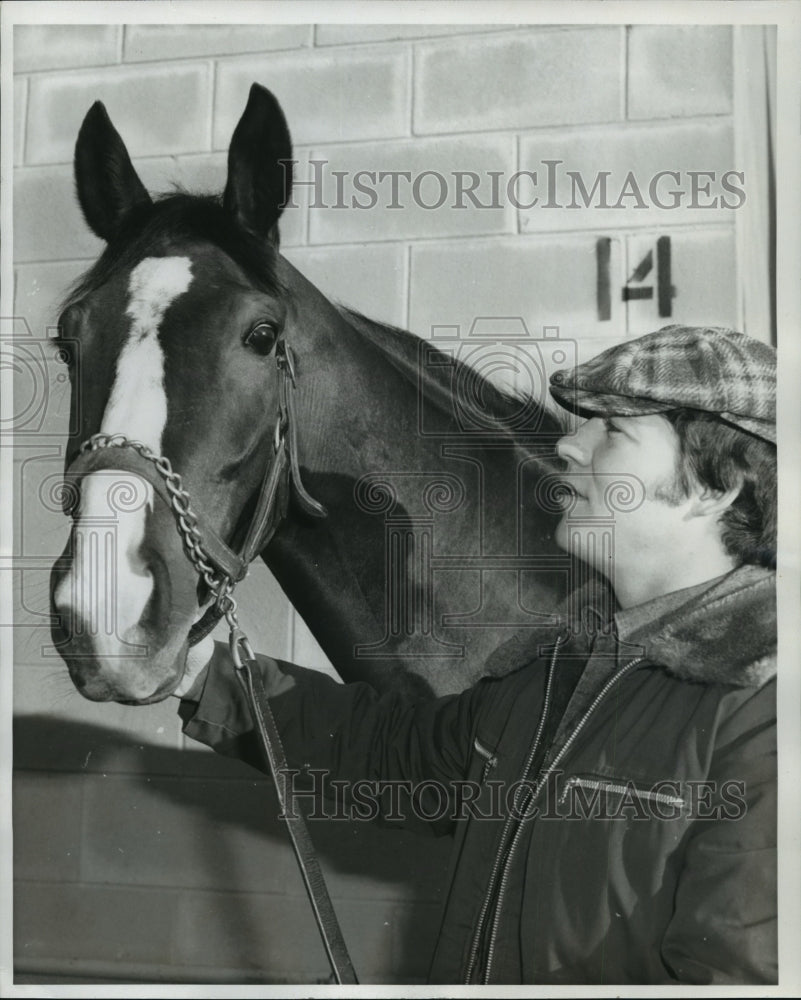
{"points": [[222, 569], [212, 557]]}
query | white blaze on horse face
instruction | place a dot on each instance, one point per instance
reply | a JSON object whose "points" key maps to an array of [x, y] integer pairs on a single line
{"points": [[110, 593], [137, 406]]}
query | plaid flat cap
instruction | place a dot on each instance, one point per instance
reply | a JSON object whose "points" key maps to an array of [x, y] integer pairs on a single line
{"points": [[704, 368]]}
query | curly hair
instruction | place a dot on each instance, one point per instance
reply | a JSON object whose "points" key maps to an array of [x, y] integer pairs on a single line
{"points": [[715, 454]]}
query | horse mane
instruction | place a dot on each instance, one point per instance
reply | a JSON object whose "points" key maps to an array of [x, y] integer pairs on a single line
{"points": [[401, 348], [153, 229]]}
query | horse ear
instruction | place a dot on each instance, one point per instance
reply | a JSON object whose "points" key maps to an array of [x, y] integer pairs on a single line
{"points": [[259, 183], [107, 184]]}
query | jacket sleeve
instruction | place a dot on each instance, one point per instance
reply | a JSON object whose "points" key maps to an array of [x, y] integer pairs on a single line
{"points": [[345, 731], [724, 928]]}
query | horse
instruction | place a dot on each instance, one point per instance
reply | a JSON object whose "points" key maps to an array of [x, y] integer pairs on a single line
{"points": [[415, 508]]}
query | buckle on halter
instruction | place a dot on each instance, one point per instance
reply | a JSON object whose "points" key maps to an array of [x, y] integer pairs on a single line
{"points": [[279, 433], [285, 360]]}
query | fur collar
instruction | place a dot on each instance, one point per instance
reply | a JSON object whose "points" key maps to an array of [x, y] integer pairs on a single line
{"points": [[727, 635]]}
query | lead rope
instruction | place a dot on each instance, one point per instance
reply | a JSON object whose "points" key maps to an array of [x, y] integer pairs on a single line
{"points": [[247, 673]]}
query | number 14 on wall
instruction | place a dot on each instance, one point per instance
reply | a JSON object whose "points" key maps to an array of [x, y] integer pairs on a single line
{"points": [[650, 279]]}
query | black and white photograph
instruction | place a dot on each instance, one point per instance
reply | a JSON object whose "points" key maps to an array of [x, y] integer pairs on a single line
{"points": [[401, 569]]}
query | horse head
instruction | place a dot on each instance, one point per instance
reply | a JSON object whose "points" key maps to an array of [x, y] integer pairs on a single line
{"points": [[208, 378], [172, 339]]}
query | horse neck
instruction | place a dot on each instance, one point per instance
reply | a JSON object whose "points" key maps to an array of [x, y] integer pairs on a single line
{"points": [[357, 388], [366, 456]]}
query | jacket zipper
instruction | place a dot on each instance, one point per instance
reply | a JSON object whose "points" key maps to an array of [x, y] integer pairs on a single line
{"points": [[507, 825], [542, 779], [490, 760], [600, 784]]}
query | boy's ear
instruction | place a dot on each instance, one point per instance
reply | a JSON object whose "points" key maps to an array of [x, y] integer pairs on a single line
{"points": [[713, 503]]}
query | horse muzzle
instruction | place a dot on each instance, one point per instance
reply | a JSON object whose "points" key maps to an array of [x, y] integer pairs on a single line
{"points": [[123, 597]]}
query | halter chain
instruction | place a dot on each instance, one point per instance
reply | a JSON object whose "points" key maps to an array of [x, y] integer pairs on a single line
{"points": [[220, 584]]}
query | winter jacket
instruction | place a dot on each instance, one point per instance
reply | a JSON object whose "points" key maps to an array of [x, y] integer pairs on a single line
{"points": [[627, 838]]}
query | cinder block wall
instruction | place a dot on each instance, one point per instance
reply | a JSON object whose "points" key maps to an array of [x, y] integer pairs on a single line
{"points": [[138, 858]]}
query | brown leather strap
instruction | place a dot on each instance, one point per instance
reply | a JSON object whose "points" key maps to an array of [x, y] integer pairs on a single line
{"points": [[270, 511], [286, 403], [250, 678], [271, 507]]}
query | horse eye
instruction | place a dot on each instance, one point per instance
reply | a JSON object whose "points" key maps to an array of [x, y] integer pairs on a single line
{"points": [[261, 338]]}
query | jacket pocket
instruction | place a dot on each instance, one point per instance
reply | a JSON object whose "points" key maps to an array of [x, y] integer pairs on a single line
{"points": [[588, 796]]}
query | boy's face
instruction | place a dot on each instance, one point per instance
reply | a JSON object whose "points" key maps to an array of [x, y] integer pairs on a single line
{"points": [[640, 455]]}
